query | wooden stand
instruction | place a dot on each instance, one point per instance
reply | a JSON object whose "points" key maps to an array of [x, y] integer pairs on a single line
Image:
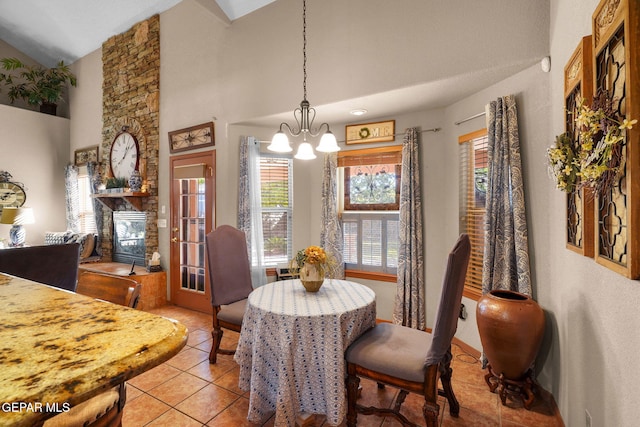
{"points": [[525, 388], [154, 285]]}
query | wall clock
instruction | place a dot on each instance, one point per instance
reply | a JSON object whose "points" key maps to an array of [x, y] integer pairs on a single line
{"points": [[124, 156], [11, 195]]}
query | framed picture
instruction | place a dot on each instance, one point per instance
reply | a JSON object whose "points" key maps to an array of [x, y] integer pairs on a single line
{"points": [[84, 155], [191, 138], [371, 132]]}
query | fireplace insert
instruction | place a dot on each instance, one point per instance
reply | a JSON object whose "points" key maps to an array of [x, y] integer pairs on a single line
{"points": [[128, 237]]}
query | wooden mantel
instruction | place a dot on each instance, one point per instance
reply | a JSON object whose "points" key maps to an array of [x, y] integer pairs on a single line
{"points": [[133, 198]]}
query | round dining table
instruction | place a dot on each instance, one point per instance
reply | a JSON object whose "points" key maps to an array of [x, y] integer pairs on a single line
{"points": [[292, 344]]}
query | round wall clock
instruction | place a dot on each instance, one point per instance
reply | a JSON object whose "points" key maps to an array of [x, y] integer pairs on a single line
{"points": [[124, 156], [11, 194]]}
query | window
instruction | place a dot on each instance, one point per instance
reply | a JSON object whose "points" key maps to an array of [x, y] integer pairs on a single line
{"points": [[370, 202], [276, 189], [86, 217], [473, 193]]}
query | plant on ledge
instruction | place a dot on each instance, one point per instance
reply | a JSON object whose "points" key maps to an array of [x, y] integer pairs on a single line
{"points": [[596, 163], [114, 182], [35, 84]]}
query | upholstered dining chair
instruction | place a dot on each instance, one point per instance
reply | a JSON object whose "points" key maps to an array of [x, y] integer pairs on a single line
{"points": [[106, 408], [230, 283], [410, 359]]}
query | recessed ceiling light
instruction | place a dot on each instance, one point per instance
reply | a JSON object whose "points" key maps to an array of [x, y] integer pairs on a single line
{"points": [[358, 112]]}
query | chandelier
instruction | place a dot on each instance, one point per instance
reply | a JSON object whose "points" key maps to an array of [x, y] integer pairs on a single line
{"points": [[304, 116]]}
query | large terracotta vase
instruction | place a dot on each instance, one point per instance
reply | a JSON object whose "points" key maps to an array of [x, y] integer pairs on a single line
{"points": [[311, 277], [511, 327]]}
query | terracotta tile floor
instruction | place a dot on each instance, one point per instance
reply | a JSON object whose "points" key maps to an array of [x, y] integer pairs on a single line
{"points": [[188, 391]]}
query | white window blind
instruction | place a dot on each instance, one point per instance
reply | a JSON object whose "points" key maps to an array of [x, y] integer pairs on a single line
{"points": [[276, 189], [85, 215]]}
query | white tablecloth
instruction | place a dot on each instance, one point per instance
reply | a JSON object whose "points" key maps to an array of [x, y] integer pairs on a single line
{"points": [[291, 348]]}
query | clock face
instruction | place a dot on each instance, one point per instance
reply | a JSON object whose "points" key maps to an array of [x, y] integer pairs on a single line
{"points": [[11, 195], [124, 155]]}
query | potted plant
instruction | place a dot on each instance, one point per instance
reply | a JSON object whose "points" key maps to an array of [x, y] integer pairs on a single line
{"points": [[35, 84]]}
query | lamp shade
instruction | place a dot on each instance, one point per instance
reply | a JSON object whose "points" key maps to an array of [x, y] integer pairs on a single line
{"points": [[305, 152], [328, 143], [17, 216], [280, 143]]}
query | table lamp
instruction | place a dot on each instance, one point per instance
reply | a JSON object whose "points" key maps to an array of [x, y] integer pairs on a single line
{"points": [[17, 217]]}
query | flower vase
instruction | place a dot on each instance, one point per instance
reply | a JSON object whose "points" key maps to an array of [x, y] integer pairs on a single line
{"points": [[135, 181], [311, 277]]}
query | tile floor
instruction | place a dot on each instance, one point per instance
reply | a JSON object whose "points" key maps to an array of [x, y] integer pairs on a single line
{"points": [[187, 391]]}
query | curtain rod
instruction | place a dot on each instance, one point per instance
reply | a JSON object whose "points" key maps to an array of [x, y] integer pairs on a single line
{"points": [[470, 118], [395, 134]]}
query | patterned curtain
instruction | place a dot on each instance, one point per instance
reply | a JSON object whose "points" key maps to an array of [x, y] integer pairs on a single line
{"points": [[506, 249], [331, 233], [409, 304], [249, 207], [93, 171], [71, 194]]}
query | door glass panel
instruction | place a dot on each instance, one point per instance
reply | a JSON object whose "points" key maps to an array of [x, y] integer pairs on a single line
{"points": [[192, 234]]}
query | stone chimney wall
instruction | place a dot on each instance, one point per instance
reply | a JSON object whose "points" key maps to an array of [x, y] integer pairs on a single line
{"points": [[130, 97]]}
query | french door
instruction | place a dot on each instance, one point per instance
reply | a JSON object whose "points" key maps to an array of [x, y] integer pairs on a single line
{"points": [[192, 217]]}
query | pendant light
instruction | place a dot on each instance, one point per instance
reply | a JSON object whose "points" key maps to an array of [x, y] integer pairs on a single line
{"points": [[304, 116]]}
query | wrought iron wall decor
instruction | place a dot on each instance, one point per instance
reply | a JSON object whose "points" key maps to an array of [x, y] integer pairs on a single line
{"points": [[578, 78], [198, 136], [617, 214]]}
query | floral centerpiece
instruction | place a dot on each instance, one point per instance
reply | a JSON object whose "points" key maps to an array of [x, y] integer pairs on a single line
{"points": [[313, 264], [595, 159]]}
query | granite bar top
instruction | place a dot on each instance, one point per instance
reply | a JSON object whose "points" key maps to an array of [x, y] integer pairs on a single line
{"points": [[58, 347]]}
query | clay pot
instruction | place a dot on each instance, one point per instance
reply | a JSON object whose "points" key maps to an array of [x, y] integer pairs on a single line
{"points": [[511, 327]]}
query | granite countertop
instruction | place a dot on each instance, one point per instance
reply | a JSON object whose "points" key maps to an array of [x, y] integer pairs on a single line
{"points": [[59, 347]]}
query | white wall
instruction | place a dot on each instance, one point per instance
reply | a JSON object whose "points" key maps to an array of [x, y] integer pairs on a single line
{"points": [[592, 363], [34, 149], [85, 103]]}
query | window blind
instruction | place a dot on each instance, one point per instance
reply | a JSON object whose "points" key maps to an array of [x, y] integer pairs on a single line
{"points": [[85, 215], [276, 189], [473, 191]]}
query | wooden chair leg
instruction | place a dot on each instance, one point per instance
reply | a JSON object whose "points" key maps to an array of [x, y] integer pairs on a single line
{"points": [[216, 334], [402, 395], [445, 379], [430, 412], [353, 383]]}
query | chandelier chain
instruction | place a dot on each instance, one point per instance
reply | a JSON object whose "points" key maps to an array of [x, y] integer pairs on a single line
{"points": [[304, 48]]}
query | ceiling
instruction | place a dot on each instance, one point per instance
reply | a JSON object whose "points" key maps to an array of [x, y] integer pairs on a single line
{"points": [[49, 31]]}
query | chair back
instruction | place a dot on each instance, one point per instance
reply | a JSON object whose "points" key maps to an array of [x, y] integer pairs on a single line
{"points": [[108, 287], [229, 268], [54, 265], [449, 308]]}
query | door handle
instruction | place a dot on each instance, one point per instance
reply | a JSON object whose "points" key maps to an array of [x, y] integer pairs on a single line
{"points": [[174, 239], [174, 229]]}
